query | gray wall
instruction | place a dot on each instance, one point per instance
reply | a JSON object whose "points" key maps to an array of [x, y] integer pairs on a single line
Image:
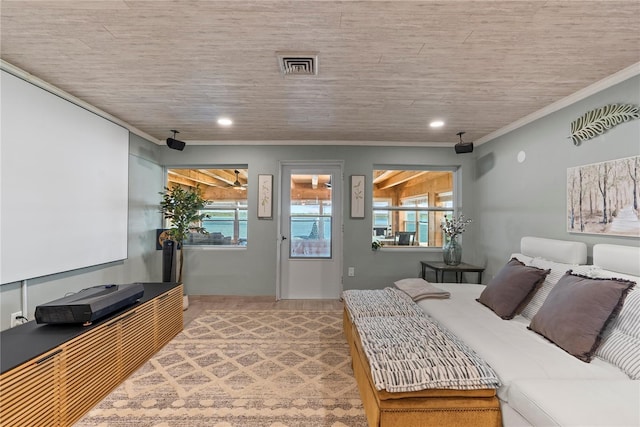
{"points": [[145, 182], [506, 199], [253, 271], [512, 199]]}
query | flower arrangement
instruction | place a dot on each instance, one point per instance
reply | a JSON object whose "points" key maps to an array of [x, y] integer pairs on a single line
{"points": [[454, 226]]}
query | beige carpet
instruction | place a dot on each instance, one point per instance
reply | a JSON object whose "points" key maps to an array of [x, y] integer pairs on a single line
{"points": [[243, 368]]}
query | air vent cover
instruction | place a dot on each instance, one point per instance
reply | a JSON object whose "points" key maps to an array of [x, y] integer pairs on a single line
{"points": [[298, 63]]}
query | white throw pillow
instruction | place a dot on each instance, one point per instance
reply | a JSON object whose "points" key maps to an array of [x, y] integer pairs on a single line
{"points": [[522, 258], [621, 341], [557, 271]]}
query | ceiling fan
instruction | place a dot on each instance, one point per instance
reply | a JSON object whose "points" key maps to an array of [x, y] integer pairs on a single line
{"points": [[237, 184], [328, 184]]}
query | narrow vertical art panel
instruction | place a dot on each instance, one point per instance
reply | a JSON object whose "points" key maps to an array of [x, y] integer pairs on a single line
{"points": [[357, 196], [602, 198], [265, 196]]}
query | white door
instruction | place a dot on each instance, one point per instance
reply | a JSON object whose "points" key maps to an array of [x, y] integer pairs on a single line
{"points": [[310, 231]]}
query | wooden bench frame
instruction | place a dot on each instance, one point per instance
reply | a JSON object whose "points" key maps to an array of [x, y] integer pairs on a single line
{"points": [[433, 407]]}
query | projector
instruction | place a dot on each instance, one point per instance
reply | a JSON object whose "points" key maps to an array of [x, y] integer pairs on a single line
{"points": [[89, 304]]}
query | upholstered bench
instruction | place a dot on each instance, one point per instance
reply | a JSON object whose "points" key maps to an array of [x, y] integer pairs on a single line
{"points": [[437, 407]]}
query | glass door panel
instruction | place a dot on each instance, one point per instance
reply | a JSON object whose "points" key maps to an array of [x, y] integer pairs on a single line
{"points": [[311, 216]]}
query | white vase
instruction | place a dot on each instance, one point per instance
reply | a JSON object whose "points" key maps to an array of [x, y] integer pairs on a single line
{"points": [[185, 302]]}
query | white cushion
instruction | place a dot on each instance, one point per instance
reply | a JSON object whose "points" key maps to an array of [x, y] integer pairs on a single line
{"points": [[621, 340], [512, 418], [557, 271], [554, 250], [522, 258], [601, 273], [577, 402], [512, 350], [623, 259]]}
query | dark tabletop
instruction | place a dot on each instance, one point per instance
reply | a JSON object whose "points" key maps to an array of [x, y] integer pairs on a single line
{"points": [[439, 265], [25, 342]]}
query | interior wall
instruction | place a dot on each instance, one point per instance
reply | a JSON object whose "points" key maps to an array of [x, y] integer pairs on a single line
{"points": [[253, 271], [506, 199], [142, 265], [513, 199]]}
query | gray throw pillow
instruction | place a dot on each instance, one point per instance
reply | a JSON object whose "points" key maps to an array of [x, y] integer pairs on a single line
{"points": [[512, 288], [577, 311]]}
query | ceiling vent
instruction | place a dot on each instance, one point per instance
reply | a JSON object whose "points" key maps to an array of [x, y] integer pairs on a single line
{"points": [[298, 64]]}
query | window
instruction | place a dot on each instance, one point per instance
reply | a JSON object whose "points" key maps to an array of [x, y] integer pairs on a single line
{"points": [[409, 205], [311, 215], [227, 208], [226, 222], [381, 217]]}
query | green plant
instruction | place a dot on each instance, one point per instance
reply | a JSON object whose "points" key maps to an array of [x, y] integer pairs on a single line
{"points": [[376, 244], [182, 207]]}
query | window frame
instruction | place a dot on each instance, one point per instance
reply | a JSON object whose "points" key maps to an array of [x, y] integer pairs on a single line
{"points": [[454, 210], [187, 246]]}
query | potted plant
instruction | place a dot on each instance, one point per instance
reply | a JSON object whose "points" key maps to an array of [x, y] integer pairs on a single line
{"points": [[182, 207]]}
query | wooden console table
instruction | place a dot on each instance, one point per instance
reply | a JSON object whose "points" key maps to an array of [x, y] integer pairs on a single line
{"points": [[51, 375], [440, 268]]}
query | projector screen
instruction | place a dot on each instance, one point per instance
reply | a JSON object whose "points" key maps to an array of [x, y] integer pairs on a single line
{"points": [[64, 184]]}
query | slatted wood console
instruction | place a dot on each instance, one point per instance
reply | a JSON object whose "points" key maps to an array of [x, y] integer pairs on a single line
{"points": [[57, 387]]}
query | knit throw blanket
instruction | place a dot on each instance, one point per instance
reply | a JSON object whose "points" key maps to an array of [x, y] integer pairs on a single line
{"points": [[410, 352], [379, 302]]}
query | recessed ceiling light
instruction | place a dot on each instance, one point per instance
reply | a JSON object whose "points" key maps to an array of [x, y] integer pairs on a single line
{"points": [[436, 124], [223, 121]]}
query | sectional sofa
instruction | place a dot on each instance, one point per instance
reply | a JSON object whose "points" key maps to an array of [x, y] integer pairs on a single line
{"points": [[548, 375]]}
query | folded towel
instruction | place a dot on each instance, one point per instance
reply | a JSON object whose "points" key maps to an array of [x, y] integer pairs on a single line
{"points": [[419, 289]]}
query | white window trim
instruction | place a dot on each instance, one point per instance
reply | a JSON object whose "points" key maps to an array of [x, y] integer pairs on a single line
{"points": [[456, 209]]}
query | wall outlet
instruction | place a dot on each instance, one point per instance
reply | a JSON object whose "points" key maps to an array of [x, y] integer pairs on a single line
{"points": [[14, 318], [352, 272]]}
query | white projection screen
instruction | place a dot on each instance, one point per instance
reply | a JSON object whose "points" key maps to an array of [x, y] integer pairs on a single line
{"points": [[64, 184]]}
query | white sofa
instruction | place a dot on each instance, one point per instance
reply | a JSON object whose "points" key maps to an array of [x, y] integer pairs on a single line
{"points": [[542, 385]]}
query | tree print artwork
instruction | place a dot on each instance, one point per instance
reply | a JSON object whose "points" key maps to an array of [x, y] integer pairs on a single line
{"points": [[602, 198]]}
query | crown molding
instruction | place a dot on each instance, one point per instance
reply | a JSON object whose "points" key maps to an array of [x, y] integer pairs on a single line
{"points": [[607, 82], [320, 142]]}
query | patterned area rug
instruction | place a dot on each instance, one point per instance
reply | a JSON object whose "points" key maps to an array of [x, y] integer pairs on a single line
{"points": [[243, 368]]}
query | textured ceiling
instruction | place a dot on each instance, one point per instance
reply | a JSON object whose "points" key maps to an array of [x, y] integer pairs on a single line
{"points": [[385, 68]]}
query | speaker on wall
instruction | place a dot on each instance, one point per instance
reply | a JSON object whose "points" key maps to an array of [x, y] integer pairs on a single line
{"points": [[175, 144], [169, 260], [464, 147]]}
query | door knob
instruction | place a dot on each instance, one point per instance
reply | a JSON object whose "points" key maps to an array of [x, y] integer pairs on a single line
{"points": [[284, 237]]}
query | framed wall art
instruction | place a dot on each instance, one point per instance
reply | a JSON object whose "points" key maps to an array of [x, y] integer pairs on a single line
{"points": [[604, 198], [265, 196], [357, 196]]}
